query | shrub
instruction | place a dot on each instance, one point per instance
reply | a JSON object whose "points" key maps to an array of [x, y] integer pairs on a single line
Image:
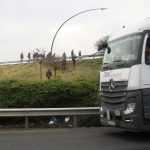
{"points": [[56, 93]]}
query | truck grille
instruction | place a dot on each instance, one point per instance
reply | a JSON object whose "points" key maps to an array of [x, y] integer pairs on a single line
{"points": [[114, 98]]}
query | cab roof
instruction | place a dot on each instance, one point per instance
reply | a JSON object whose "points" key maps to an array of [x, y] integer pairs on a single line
{"points": [[135, 27]]}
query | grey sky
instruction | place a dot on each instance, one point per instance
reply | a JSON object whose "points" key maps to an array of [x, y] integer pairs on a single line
{"points": [[29, 24]]}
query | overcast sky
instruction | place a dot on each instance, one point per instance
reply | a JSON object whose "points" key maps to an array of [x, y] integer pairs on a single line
{"points": [[26, 25]]}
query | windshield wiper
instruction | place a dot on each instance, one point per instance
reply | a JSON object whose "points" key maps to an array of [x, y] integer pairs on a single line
{"points": [[119, 60], [123, 63]]}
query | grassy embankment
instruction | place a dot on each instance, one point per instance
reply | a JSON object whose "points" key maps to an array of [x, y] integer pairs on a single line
{"points": [[77, 86], [20, 85], [84, 70]]}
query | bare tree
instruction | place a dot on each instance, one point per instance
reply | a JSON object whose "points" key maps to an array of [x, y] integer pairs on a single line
{"points": [[102, 43], [38, 54], [54, 61]]}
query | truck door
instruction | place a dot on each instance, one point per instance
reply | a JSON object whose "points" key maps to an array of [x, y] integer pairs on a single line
{"points": [[145, 77]]}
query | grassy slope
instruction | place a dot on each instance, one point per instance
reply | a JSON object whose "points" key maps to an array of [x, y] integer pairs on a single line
{"points": [[84, 69]]}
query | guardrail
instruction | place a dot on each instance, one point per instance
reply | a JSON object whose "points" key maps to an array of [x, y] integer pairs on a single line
{"points": [[32, 112], [96, 55]]}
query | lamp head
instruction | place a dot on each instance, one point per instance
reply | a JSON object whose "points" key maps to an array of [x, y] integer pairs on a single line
{"points": [[103, 8]]}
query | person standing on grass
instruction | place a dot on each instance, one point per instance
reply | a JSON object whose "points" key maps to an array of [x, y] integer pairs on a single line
{"points": [[72, 53], [79, 53], [64, 61], [74, 60], [21, 57], [48, 74], [29, 56]]}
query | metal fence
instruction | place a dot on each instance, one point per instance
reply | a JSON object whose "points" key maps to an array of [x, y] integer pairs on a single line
{"points": [[32, 112], [93, 56]]}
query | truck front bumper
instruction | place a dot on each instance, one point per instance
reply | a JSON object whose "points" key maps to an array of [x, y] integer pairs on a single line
{"points": [[117, 118]]}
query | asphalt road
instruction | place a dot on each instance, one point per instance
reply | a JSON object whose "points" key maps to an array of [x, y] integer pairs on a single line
{"points": [[74, 139]]}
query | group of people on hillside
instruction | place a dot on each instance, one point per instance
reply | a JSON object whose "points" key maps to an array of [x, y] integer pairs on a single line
{"points": [[73, 58], [49, 55], [35, 56], [22, 56]]}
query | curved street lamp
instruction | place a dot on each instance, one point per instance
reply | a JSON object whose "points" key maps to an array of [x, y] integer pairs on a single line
{"points": [[68, 20]]}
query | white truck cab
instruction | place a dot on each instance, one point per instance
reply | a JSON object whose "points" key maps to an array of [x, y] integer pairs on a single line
{"points": [[125, 78]]}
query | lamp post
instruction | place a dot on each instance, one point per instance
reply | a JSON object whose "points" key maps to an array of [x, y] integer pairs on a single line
{"points": [[68, 20]]}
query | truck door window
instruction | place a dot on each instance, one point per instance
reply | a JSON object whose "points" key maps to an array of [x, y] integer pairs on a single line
{"points": [[147, 52]]}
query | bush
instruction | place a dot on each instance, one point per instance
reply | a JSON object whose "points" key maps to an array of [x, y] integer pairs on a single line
{"points": [[55, 93]]}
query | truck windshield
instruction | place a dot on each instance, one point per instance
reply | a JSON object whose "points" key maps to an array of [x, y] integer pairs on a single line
{"points": [[123, 49]]}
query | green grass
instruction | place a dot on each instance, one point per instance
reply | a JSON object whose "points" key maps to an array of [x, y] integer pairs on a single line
{"points": [[77, 86], [84, 70]]}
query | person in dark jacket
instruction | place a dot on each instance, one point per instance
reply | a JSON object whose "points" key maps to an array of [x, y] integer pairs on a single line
{"points": [[48, 74], [74, 60], [21, 57], [64, 61], [29, 56]]}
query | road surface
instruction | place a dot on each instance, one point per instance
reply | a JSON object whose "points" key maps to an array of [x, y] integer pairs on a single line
{"points": [[102, 138]]}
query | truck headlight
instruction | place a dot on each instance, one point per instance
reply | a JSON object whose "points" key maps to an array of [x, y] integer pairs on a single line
{"points": [[130, 108]]}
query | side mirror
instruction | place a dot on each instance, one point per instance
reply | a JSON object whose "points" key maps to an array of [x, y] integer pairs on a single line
{"points": [[108, 50], [105, 45]]}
